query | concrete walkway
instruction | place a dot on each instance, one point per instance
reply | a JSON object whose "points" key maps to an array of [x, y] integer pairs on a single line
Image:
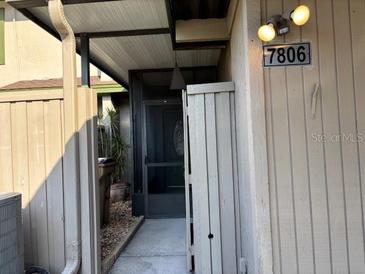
{"points": [[157, 248]]}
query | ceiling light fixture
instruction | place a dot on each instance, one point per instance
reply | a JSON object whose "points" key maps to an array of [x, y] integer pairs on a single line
{"points": [[177, 81], [280, 24]]}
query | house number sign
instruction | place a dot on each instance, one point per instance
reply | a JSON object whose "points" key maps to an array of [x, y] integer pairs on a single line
{"points": [[296, 54]]}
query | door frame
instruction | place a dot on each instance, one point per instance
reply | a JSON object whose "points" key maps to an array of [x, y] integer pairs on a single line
{"points": [[145, 104]]}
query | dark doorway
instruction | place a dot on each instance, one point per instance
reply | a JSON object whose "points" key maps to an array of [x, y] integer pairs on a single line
{"points": [[157, 158], [163, 149]]}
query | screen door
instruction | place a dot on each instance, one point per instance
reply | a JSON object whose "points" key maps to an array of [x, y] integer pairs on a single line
{"points": [[164, 159]]}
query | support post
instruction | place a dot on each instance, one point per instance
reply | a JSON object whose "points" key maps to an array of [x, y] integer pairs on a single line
{"points": [[85, 60]]}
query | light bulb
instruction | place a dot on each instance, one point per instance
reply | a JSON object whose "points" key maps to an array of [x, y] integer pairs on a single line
{"points": [[300, 15], [266, 32]]}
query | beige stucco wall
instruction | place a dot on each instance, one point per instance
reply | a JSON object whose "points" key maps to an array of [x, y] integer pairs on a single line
{"points": [[30, 52]]}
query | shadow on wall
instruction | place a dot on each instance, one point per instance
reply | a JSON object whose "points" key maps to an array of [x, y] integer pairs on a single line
{"points": [[31, 161]]}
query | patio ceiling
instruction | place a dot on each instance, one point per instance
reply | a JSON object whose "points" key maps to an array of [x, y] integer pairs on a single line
{"points": [[111, 15], [126, 35], [147, 52]]}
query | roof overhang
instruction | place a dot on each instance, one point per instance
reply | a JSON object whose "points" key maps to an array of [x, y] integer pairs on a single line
{"points": [[135, 34], [21, 4]]}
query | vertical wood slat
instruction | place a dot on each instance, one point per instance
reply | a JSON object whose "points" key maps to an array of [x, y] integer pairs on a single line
{"points": [[187, 184], [356, 12], [274, 209], [298, 157], [38, 189], [329, 89], [195, 188], [235, 178], [201, 183], [316, 159], [226, 182], [284, 191], [20, 157], [6, 176], [213, 183], [53, 148], [266, 11]]}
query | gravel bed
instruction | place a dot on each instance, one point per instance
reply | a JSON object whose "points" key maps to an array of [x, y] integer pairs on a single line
{"points": [[121, 222]]}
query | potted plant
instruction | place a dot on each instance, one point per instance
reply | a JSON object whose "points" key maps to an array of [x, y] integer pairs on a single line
{"points": [[112, 160]]}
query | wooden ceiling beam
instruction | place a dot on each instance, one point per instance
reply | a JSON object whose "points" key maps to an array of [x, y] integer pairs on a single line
{"points": [[122, 33], [201, 30], [201, 45]]}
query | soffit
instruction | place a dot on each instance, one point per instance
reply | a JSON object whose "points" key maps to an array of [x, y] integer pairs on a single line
{"points": [[118, 55]]}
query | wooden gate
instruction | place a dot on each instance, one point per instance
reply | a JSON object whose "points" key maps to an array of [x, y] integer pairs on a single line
{"points": [[210, 125]]}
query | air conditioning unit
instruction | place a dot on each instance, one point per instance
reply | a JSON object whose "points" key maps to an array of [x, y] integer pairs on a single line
{"points": [[11, 234]]}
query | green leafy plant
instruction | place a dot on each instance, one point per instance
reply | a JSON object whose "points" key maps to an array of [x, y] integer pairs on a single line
{"points": [[110, 141]]}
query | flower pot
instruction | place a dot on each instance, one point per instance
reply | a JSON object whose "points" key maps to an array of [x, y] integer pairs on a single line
{"points": [[118, 192], [106, 168]]}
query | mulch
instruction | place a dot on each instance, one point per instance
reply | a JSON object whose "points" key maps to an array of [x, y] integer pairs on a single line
{"points": [[121, 222]]}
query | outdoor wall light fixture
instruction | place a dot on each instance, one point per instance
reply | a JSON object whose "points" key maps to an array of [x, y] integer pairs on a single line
{"points": [[280, 24]]}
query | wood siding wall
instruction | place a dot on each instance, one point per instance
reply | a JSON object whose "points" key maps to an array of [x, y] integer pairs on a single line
{"points": [[317, 189], [31, 148]]}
